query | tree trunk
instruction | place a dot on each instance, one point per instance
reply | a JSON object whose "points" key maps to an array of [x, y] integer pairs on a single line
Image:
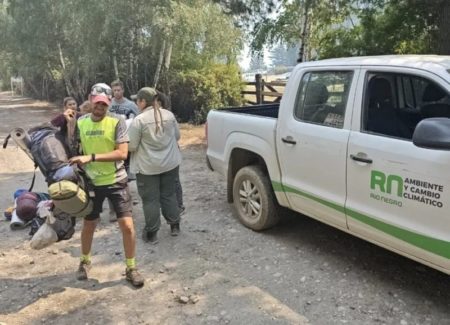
{"points": [[303, 37], [145, 73], [63, 65], [168, 57], [160, 64], [80, 89], [116, 69], [444, 28], [131, 67], [136, 58]]}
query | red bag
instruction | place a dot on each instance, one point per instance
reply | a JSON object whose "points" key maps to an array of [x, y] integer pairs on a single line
{"points": [[26, 206]]}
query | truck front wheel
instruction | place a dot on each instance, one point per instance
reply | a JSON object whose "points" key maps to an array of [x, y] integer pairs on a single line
{"points": [[253, 199]]}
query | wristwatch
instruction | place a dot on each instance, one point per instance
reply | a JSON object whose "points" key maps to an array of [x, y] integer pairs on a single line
{"points": [[93, 157]]}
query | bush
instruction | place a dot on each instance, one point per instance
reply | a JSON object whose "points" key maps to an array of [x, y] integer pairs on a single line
{"points": [[196, 92]]}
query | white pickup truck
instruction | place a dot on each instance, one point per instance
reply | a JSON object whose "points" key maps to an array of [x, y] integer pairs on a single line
{"points": [[362, 144]]}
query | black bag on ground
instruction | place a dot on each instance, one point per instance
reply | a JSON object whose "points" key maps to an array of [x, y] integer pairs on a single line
{"points": [[36, 223], [64, 224]]}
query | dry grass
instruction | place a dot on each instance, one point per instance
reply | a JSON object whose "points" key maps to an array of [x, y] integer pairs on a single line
{"points": [[192, 135]]}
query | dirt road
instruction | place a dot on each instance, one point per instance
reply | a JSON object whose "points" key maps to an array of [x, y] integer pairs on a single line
{"points": [[300, 272]]}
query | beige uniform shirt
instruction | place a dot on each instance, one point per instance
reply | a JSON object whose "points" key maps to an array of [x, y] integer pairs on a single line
{"points": [[154, 153]]}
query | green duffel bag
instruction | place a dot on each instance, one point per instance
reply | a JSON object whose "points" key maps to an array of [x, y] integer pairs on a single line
{"points": [[70, 198]]}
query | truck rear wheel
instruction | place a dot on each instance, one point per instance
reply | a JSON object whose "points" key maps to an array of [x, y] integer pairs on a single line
{"points": [[254, 199]]}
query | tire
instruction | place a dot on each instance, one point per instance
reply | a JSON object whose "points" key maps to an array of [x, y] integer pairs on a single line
{"points": [[259, 210]]}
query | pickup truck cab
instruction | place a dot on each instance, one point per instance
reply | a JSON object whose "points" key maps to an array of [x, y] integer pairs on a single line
{"points": [[362, 144]]}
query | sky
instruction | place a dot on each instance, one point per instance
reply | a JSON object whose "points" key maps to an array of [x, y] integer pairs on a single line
{"points": [[245, 57]]}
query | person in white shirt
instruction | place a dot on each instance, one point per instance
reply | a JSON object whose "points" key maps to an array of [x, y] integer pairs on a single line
{"points": [[164, 102]]}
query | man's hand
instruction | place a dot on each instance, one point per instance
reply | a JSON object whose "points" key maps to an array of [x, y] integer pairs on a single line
{"points": [[80, 160]]}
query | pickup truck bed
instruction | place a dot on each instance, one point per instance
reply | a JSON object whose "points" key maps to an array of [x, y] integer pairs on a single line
{"points": [[267, 110]]}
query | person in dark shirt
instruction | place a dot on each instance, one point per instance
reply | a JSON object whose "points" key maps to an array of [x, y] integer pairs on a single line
{"points": [[70, 110], [66, 122]]}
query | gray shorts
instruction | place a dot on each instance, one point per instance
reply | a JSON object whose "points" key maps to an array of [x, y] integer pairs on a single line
{"points": [[118, 194]]}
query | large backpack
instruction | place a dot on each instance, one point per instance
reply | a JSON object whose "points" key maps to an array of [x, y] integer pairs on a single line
{"points": [[69, 191], [49, 151]]}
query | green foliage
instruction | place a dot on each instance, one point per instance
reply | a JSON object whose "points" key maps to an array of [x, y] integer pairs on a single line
{"points": [[203, 34], [196, 92], [62, 47], [394, 28], [335, 28]]}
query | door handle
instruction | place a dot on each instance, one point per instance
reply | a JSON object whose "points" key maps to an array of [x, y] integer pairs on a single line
{"points": [[360, 159], [288, 140]]}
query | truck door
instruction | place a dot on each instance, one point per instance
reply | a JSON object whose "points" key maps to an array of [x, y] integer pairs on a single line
{"points": [[312, 137], [399, 194]]}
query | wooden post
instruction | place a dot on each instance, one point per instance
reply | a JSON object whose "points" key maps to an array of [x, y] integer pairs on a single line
{"points": [[259, 88], [263, 86]]}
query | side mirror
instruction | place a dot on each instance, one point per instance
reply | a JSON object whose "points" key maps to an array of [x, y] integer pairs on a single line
{"points": [[433, 133]]}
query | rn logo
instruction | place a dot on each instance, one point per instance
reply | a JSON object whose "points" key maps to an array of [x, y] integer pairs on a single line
{"points": [[408, 188], [378, 180]]}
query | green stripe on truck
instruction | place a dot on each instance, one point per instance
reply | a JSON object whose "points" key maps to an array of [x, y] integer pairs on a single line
{"points": [[435, 246]]}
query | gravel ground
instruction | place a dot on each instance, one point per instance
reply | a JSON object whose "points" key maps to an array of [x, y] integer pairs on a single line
{"points": [[215, 272]]}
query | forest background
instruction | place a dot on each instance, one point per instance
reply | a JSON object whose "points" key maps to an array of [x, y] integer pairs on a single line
{"points": [[189, 49]]}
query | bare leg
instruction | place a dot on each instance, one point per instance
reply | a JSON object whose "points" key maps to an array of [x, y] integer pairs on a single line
{"points": [[87, 234], [128, 236]]}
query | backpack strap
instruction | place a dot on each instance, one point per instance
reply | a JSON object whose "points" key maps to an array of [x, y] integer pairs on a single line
{"points": [[34, 177], [5, 142], [83, 179]]}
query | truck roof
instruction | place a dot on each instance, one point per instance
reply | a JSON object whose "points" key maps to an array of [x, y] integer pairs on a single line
{"points": [[438, 64]]}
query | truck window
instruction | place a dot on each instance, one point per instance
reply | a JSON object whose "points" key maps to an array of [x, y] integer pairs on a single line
{"points": [[322, 97], [395, 103]]}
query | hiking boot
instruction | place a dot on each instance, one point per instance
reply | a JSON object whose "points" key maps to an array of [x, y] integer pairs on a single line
{"points": [[133, 276], [83, 269], [150, 237], [175, 229], [145, 236], [153, 237]]}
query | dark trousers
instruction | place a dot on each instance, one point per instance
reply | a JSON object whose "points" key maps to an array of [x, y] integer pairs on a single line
{"points": [[158, 194], [179, 191]]}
